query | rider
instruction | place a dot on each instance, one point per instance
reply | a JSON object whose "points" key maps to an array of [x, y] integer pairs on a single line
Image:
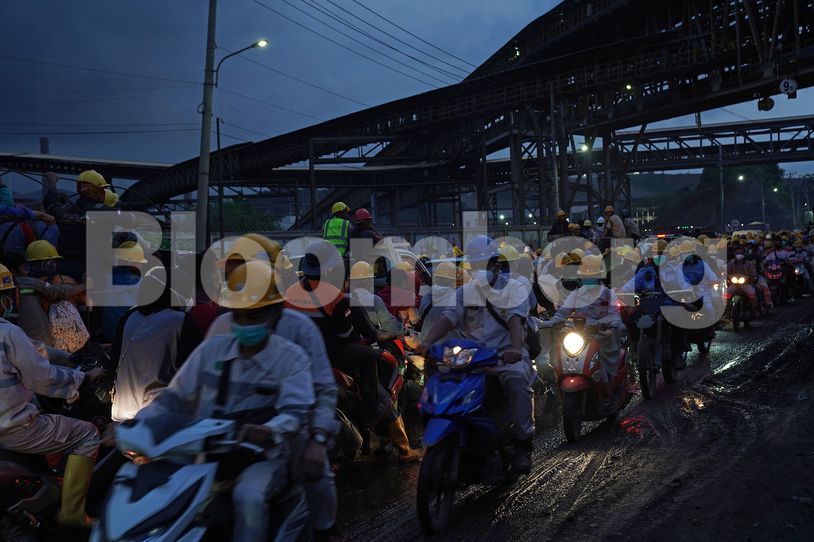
{"points": [[799, 256], [492, 310], [599, 305], [300, 329], [255, 376], [23, 428], [738, 266]]}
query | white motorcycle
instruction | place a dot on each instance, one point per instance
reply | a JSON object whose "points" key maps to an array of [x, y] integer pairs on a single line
{"points": [[177, 486]]}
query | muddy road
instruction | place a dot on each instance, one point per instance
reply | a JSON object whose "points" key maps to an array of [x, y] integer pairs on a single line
{"points": [[725, 454]]}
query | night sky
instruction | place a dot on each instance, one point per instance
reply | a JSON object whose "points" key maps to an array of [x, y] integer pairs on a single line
{"points": [[166, 40]]}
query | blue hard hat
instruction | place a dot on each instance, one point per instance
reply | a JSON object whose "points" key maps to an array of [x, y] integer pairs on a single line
{"points": [[481, 248]]}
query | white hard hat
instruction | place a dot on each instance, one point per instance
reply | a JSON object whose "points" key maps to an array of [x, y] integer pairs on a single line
{"points": [[600, 220]]}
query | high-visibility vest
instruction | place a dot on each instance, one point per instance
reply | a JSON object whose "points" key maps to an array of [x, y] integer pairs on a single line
{"points": [[336, 231]]}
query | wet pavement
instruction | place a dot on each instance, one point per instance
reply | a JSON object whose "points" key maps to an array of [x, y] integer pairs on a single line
{"points": [[724, 454]]}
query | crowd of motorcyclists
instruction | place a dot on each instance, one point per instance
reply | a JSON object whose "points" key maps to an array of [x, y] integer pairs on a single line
{"points": [[302, 361]]}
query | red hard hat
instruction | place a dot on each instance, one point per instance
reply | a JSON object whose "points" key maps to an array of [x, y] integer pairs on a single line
{"points": [[362, 214]]}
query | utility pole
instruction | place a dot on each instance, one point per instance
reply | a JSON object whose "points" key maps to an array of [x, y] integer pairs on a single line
{"points": [[721, 179], [202, 206]]}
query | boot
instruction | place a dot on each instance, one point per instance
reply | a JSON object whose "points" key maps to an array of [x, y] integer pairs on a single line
{"points": [[521, 458], [398, 435], [75, 482]]}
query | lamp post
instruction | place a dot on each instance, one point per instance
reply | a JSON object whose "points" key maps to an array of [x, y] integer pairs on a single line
{"points": [[762, 199], [210, 81]]}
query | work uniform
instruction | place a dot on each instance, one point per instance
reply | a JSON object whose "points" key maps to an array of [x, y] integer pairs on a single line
{"points": [[23, 428], [147, 360], [336, 231], [615, 227], [276, 379], [71, 218], [299, 329], [742, 269], [476, 323]]}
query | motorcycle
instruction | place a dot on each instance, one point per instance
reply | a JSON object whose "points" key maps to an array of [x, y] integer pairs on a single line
{"points": [[798, 283], [467, 430], [30, 485], [577, 368], [776, 278], [655, 351], [740, 309], [176, 486]]}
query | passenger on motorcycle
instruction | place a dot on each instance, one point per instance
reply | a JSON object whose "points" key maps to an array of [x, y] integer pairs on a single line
{"points": [[800, 259], [23, 428], [254, 376], [298, 328], [492, 310], [738, 266], [599, 305]]}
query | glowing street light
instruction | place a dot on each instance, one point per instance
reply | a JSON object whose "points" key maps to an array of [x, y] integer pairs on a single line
{"points": [[774, 189], [584, 148], [741, 177], [628, 87], [502, 217]]}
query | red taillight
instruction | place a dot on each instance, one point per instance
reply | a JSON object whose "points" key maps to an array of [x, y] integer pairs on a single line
{"points": [[661, 236], [27, 487]]}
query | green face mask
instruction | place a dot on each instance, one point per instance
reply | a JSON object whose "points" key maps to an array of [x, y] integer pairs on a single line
{"points": [[657, 260], [250, 335]]}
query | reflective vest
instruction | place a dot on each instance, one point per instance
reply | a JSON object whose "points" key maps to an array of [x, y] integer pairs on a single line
{"points": [[337, 232]]}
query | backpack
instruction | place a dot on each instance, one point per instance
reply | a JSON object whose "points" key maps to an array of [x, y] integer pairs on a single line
{"points": [[67, 328], [532, 337]]}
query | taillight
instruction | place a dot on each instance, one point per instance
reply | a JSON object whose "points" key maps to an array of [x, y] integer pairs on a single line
{"points": [[27, 487]]}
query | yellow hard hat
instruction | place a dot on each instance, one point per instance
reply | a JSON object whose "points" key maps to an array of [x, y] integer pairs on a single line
{"points": [[466, 266], [252, 246], [111, 198], [562, 259], [457, 252], [661, 246], [6, 279], [445, 270], [251, 286], [572, 226], [560, 213], [633, 256], [750, 235], [591, 266], [799, 243], [338, 207], [609, 209], [93, 177], [587, 224], [703, 239], [130, 251], [41, 250], [404, 266], [361, 270], [622, 250], [674, 252], [509, 254], [686, 247]]}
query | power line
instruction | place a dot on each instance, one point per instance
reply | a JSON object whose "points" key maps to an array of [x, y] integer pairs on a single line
{"points": [[297, 79], [89, 124], [294, 111], [363, 44], [325, 11], [104, 132], [99, 70], [74, 102], [422, 40], [92, 91], [386, 33], [391, 68]]}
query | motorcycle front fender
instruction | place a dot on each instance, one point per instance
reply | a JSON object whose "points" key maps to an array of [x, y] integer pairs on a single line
{"points": [[438, 429], [574, 384]]}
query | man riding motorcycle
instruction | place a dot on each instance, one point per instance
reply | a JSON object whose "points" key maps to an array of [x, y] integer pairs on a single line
{"points": [[23, 428], [741, 268], [800, 259], [252, 375], [599, 305], [492, 310]]}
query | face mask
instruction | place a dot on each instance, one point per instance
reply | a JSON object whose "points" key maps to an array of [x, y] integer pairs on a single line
{"points": [[657, 260], [483, 278], [590, 282], [250, 335], [739, 256]]}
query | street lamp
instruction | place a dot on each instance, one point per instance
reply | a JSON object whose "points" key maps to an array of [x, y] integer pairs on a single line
{"points": [[210, 82], [740, 177], [774, 189]]}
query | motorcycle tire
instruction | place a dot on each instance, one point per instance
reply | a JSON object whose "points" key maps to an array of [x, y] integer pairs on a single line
{"points": [[647, 374], [434, 499], [736, 317], [572, 416]]}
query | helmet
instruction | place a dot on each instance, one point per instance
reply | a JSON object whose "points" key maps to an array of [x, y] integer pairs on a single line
{"points": [[481, 248], [338, 207], [6, 279], [252, 246], [560, 213], [457, 252], [572, 226], [600, 220], [41, 250], [661, 246], [509, 254], [591, 266], [703, 239], [623, 250], [750, 235], [130, 251], [403, 266], [674, 252], [625, 213], [93, 177], [633, 256], [577, 252], [111, 198], [562, 259], [587, 224], [686, 247], [799, 243], [445, 270], [362, 214], [319, 255], [251, 286], [609, 209], [361, 270]]}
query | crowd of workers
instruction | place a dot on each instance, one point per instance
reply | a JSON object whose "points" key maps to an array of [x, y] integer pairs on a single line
{"points": [[265, 351]]}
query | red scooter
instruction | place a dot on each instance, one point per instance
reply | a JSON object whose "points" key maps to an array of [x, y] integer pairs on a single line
{"points": [[577, 368]]}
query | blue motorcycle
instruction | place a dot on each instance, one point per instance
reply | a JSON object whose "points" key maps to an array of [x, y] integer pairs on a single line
{"points": [[467, 430]]}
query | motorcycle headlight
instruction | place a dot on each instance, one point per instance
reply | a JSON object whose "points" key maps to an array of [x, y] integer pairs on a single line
{"points": [[457, 357], [797, 271], [573, 343]]}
